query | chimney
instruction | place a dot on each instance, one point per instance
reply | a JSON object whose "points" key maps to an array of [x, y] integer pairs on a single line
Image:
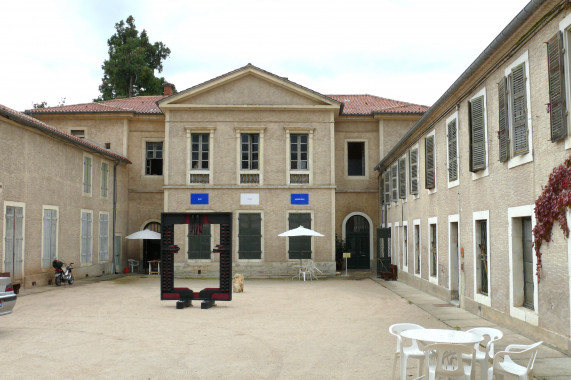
{"points": [[167, 89]]}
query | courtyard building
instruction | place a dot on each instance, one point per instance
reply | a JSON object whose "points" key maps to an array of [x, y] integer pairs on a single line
{"points": [[459, 189]]}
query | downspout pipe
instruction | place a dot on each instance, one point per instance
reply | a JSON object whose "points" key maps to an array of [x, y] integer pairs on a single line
{"points": [[114, 269]]}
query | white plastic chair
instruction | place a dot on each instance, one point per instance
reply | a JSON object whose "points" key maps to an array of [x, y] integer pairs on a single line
{"points": [[312, 269], [403, 352], [504, 364], [448, 363], [133, 264], [485, 356]]}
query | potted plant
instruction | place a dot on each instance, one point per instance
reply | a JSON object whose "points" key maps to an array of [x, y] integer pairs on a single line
{"points": [[340, 247]]}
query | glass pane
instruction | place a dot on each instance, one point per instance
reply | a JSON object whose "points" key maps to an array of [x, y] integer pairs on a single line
{"points": [[205, 138], [293, 164], [195, 138], [255, 138], [303, 165], [194, 156], [244, 138], [205, 147], [294, 139], [254, 165], [293, 147], [304, 139], [204, 156]]}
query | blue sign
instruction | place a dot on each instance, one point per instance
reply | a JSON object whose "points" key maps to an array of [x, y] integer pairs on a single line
{"points": [[300, 199], [199, 199]]}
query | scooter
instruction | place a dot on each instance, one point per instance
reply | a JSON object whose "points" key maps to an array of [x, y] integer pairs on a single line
{"points": [[63, 274]]}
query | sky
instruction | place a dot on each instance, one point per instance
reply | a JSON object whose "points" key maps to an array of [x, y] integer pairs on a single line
{"points": [[408, 50]]}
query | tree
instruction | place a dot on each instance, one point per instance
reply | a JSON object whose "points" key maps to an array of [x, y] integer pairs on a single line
{"points": [[44, 104], [130, 69]]}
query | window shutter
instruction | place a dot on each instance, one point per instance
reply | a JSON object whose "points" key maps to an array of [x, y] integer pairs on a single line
{"points": [[250, 236], [477, 134], [402, 178], [519, 109], [557, 101], [452, 152], [387, 187], [503, 131], [394, 182], [429, 165], [414, 171]]}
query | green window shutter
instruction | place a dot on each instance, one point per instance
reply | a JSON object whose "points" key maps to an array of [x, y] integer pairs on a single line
{"points": [[477, 134], [199, 245], [402, 178], [299, 246], [503, 131], [452, 152], [519, 109], [394, 182], [250, 236], [429, 181], [413, 157], [557, 101]]}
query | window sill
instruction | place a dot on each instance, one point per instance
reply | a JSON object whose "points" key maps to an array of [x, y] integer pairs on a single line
{"points": [[525, 314], [483, 299], [520, 160]]}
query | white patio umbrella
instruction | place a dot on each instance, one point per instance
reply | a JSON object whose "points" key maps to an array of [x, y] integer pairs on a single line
{"points": [[145, 234], [300, 231]]}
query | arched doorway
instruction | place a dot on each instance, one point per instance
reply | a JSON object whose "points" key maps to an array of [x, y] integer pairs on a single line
{"points": [[357, 239], [151, 248]]}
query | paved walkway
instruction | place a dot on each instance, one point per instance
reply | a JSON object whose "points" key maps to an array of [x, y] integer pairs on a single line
{"points": [[277, 329], [551, 364]]}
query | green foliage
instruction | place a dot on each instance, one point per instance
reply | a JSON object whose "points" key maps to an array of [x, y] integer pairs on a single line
{"points": [[44, 104], [340, 247], [130, 69], [551, 206]]}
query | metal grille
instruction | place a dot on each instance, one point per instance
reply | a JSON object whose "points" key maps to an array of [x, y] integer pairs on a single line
{"points": [[298, 179], [249, 178], [199, 178]]}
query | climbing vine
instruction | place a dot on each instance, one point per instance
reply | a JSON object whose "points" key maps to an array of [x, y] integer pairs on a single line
{"points": [[552, 206]]}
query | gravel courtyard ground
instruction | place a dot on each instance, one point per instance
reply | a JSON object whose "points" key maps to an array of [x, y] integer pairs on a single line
{"points": [[276, 329]]}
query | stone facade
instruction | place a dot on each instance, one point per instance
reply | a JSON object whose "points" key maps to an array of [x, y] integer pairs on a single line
{"points": [[43, 173], [489, 211]]}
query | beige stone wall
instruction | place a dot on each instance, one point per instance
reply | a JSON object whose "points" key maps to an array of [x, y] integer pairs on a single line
{"points": [[500, 191], [98, 128], [36, 171]]}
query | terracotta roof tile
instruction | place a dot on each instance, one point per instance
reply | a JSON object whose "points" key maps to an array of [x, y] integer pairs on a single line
{"points": [[138, 104], [370, 104], [29, 121]]}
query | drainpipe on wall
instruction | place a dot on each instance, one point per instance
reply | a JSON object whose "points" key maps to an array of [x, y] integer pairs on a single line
{"points": [[113, 268]]}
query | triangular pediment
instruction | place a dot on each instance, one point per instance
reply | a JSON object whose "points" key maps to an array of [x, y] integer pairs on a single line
{"points": [[249, 86]]}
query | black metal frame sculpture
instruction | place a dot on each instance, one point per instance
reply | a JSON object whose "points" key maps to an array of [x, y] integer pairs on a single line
{"points": [[184, 296]]}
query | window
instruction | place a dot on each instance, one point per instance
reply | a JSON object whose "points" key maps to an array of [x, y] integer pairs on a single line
{"points": [[299, 246], [199, 246], [199, 145], [452, 151], [477, 125], [413, 158], [433, 247], [356, 158], [104, 178], [250, 158], [429, 169], [86, 236], [103, 237], [250, 151], [416, 246], [249, 236], [298, 151], [482, 260], [87, 164], [522, 264], [199, 152], [77, 133], [299, 155], [394, 182], [154, 158], [49, 236], [515, 133], [402, 177]]}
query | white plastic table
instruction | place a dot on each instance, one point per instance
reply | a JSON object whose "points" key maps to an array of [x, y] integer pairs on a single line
{"points": [[442, 336]]}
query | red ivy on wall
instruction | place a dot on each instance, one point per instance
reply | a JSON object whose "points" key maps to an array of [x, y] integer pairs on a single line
{"points": [[552, 206]]}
